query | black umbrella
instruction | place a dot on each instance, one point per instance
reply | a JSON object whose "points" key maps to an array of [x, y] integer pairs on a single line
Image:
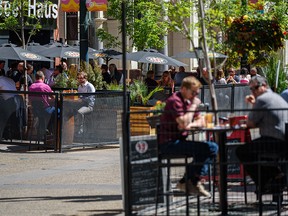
{"points": [[106, 54], [12, 52], [192, 54], [61, 51], [153, 57], [35, 47]]}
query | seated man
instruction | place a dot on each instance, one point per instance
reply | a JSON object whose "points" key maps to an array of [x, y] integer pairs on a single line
{"points": [[87, 102], [40, 86], [271, 123], [180, 114]]}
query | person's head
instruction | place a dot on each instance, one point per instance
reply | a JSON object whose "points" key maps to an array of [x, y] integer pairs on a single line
{"points": [[181, 69], [172, 69], [231, 72], [64, 66], [82, 77], [244, 72], [20, 66], [190, 87], [258, 85], [253, 71], [112, 67], [57, 70], [150, 74], [30, 68], [165, 77], [219, 74], [39, 75], [104, 68]]}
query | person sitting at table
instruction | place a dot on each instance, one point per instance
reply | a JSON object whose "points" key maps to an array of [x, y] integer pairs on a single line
{"points": [[40, 86], [271, 123], [85, 103], [180, 114], [166, 81]]}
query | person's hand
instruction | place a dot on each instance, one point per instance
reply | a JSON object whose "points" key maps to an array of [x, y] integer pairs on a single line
{"points": [[250, 99]]}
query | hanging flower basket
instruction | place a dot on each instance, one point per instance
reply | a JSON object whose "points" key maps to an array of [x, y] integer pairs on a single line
{"points": [[259, 35]]}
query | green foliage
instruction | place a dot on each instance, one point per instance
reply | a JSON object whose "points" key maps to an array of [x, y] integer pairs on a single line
{"points": [[144, 22], [114, 87], [109, 40], [61, 81], [17, 24], [270, 73], [94, 74], [139, 92]]}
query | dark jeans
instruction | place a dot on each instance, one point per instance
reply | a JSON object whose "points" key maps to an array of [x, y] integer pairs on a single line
{"points": [[203, 153], [251, 153]]}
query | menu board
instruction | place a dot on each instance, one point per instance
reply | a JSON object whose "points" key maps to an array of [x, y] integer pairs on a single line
{"points": [[144, 172]]}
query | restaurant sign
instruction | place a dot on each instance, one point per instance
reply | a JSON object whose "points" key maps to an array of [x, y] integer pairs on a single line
{"points": [[41, 9]]}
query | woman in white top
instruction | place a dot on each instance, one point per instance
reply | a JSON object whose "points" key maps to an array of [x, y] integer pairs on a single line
{"points": [[244, 76], [220, 77]]}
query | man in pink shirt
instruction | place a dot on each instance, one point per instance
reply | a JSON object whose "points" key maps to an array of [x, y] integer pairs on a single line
{"points": [[44, 99]]}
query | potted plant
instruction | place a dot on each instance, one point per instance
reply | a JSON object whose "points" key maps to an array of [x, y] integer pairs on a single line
{"points": [[139, 109]]}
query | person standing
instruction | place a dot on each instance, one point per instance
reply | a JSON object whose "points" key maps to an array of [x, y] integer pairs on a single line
{"points": [[179, 76], [8, 105], [180, 114], [266, 115]]}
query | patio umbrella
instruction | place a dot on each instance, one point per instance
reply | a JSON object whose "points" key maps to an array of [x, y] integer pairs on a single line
{"points": [[90, 49], [35, 47], [153, 57], [12, 52], [192, 54], [61, 51], [106, 54]]}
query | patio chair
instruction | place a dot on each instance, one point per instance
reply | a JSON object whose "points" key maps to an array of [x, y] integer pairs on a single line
{"points": [[169, 161]]}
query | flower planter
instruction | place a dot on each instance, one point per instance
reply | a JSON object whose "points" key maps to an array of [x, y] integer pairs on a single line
{"points": [[138, 121]]}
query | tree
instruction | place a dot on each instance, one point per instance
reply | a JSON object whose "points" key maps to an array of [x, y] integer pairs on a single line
{"points": [[16, 16], [144, 23]]}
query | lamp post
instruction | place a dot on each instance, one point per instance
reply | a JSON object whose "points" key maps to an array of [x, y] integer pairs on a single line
{"points": [[83, 31]]}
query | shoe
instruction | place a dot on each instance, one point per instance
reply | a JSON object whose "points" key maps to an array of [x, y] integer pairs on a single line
{"points": [[197, 189], [200, 190]]}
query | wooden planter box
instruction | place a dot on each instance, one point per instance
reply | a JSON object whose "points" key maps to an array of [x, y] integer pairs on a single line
{"points": [[138, 121]]}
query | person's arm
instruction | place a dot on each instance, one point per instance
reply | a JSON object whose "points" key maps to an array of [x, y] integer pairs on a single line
{"points": [[185, 121]]}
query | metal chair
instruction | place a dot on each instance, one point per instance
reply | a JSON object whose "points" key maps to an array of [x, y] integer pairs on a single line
{"points": [[167, 161]]}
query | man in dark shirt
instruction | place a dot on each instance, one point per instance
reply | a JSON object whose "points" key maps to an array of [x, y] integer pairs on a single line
{"points": [[150, 81], [180, 114]]}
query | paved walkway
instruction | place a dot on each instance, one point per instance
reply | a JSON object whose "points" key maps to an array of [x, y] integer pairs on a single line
{"points": [[78, 183]]}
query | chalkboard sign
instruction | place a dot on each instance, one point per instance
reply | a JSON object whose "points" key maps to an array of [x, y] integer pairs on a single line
{"points": [[233, 167], [143, 154]]}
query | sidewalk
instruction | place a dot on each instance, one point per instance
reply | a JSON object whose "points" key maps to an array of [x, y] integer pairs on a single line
{"points": [[78, 183]]}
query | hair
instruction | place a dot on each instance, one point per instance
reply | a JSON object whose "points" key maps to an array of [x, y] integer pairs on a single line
{"points": [[150, 74], [244, 71], [39, 75], [219, 74], [259, 80], [104, 66], [59, 68], [191, 82], [2, 61], [29, 67], [253, 69], [82, 73]]}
